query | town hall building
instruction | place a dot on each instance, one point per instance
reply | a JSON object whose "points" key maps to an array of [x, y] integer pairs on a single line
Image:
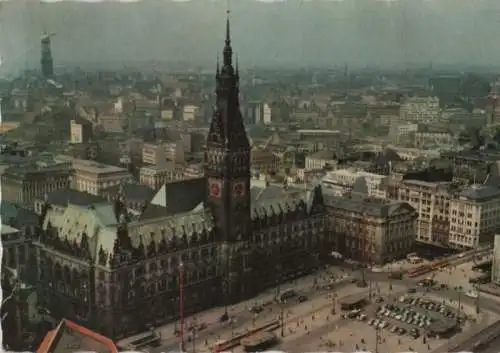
{"points": [[234, 237]]}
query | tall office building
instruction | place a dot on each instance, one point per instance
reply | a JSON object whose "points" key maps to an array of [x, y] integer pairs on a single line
{"points": [[47, 64]]}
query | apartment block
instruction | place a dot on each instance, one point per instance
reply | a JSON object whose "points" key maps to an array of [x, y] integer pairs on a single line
{"points": [[159, 153], [449, 215]]}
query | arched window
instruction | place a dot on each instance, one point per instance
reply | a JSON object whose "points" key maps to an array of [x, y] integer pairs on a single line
{"points": [[58, 272], [42, 272], [67, 275]]}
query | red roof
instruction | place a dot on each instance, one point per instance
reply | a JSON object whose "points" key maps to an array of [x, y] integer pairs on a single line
{"points": [[71, 337]]}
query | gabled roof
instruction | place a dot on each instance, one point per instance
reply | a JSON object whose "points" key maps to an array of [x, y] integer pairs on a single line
{"points": [[176, 197], [70, 337], [271, 199], [98, 222]]}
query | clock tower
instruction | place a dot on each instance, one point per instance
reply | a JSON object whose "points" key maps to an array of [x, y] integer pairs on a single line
{"points": [[227, 155]]}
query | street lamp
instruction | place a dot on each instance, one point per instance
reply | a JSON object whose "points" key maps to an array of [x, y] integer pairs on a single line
{"points": [[478, 291], [181, 301], [278, 292], [194, 333], [225, 316], [459, 290]]}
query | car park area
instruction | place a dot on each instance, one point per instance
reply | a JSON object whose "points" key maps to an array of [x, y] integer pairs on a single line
{"points": [[418, 321], [417, 317]]}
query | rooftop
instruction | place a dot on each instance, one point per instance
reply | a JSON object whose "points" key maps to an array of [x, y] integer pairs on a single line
{"points": [[69, 337], [367, 206], [91, 166], [480, 192], [6, 229], [64, 197]]}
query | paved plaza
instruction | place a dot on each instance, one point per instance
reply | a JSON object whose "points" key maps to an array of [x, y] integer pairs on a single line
{"points": [[457, 276], [241, 318], [311, 325], [304, 318]]}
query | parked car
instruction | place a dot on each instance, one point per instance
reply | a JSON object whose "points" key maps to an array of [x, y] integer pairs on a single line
{"points": [[302, 298]]}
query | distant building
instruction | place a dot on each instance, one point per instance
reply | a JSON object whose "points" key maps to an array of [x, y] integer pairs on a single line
{"points": [[190, 112], [155, 176], [22, 185], [80, 132], [265, 160], [160, 153], [344, 180], [402, 132], [267, 114], [321, 159], [436, 138], [420, 109], [93, 177], [46, 61], [495, 268]]}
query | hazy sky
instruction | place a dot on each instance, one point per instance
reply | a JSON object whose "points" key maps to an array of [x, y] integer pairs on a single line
{"points": [[291, 32]]}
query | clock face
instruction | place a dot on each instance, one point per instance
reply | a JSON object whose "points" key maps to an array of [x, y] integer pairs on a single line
{"points": [[215, 189], [239, 189]]}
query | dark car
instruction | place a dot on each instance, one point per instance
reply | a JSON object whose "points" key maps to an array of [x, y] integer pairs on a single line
{"points": [[256, 309], [224, 317], [412, 290], [302, 298]]}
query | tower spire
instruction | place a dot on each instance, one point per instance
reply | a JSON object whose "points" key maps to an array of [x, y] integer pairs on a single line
{"points": [[228, 51]]}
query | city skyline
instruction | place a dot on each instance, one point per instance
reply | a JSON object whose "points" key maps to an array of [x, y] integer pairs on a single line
{"points": [[393, 34]]}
